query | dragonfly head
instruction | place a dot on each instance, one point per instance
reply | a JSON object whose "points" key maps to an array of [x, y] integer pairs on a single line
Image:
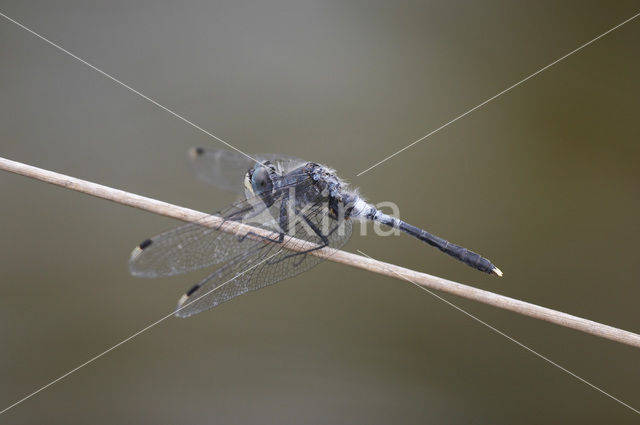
{"points": [[259, 180]]}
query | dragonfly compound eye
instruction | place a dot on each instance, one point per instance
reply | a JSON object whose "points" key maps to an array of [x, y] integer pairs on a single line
{"points": [[261, 182]]}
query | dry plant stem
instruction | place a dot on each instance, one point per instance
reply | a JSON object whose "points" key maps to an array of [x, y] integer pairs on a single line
{"points": [[390, 270]]}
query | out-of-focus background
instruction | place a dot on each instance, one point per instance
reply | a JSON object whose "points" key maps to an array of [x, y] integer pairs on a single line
{"points": [[543, 180]]}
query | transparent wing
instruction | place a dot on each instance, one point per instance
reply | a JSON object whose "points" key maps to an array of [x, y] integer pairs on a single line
{"points": [[220, 168], [197, 245], [226, 170], [267, 264], [183, 249]]}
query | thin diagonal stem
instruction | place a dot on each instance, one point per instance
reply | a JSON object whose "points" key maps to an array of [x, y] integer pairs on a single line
{"points": [[531, 350], [342, 257]]}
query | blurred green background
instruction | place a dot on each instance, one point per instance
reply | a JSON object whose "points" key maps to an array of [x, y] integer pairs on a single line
{"points": [[543, 181]]}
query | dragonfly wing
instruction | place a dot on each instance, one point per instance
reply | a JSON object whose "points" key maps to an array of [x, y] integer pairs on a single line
{"points": [[183, 249], [196, 245], [223, 169], [266, 264], [226, 170]]}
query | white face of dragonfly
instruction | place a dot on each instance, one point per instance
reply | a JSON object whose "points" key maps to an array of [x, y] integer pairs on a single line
{"points": [[248, 190]]}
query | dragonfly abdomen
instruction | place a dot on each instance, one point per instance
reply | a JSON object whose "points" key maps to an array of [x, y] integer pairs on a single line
{"points": [[465, 255]]}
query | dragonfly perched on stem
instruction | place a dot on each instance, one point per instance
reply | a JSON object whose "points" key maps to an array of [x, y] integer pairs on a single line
{"points": [[288, 199]]}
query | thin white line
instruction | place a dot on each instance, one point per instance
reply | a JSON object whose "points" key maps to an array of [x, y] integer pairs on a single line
{"points": [[197, 127], [499, 94], [238, 150], [91, 360], [510, 338]]}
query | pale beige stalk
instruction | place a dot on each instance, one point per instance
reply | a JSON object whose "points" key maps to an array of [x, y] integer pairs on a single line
{"points": [[361, 262]]}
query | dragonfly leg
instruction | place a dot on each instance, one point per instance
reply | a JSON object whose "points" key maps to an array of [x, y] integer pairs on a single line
{"points": [[284, 225], [324, 239]]}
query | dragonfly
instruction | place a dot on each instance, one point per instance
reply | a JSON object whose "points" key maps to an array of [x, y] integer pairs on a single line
{"points": [[285, 198]]}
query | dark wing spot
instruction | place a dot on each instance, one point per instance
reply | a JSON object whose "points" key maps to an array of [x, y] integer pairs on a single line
{"points": [[200, 151], [192, 290], [145, 243]]}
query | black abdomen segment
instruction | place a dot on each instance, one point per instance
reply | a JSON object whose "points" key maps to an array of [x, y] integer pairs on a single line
{"points": [[470, 258]]}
